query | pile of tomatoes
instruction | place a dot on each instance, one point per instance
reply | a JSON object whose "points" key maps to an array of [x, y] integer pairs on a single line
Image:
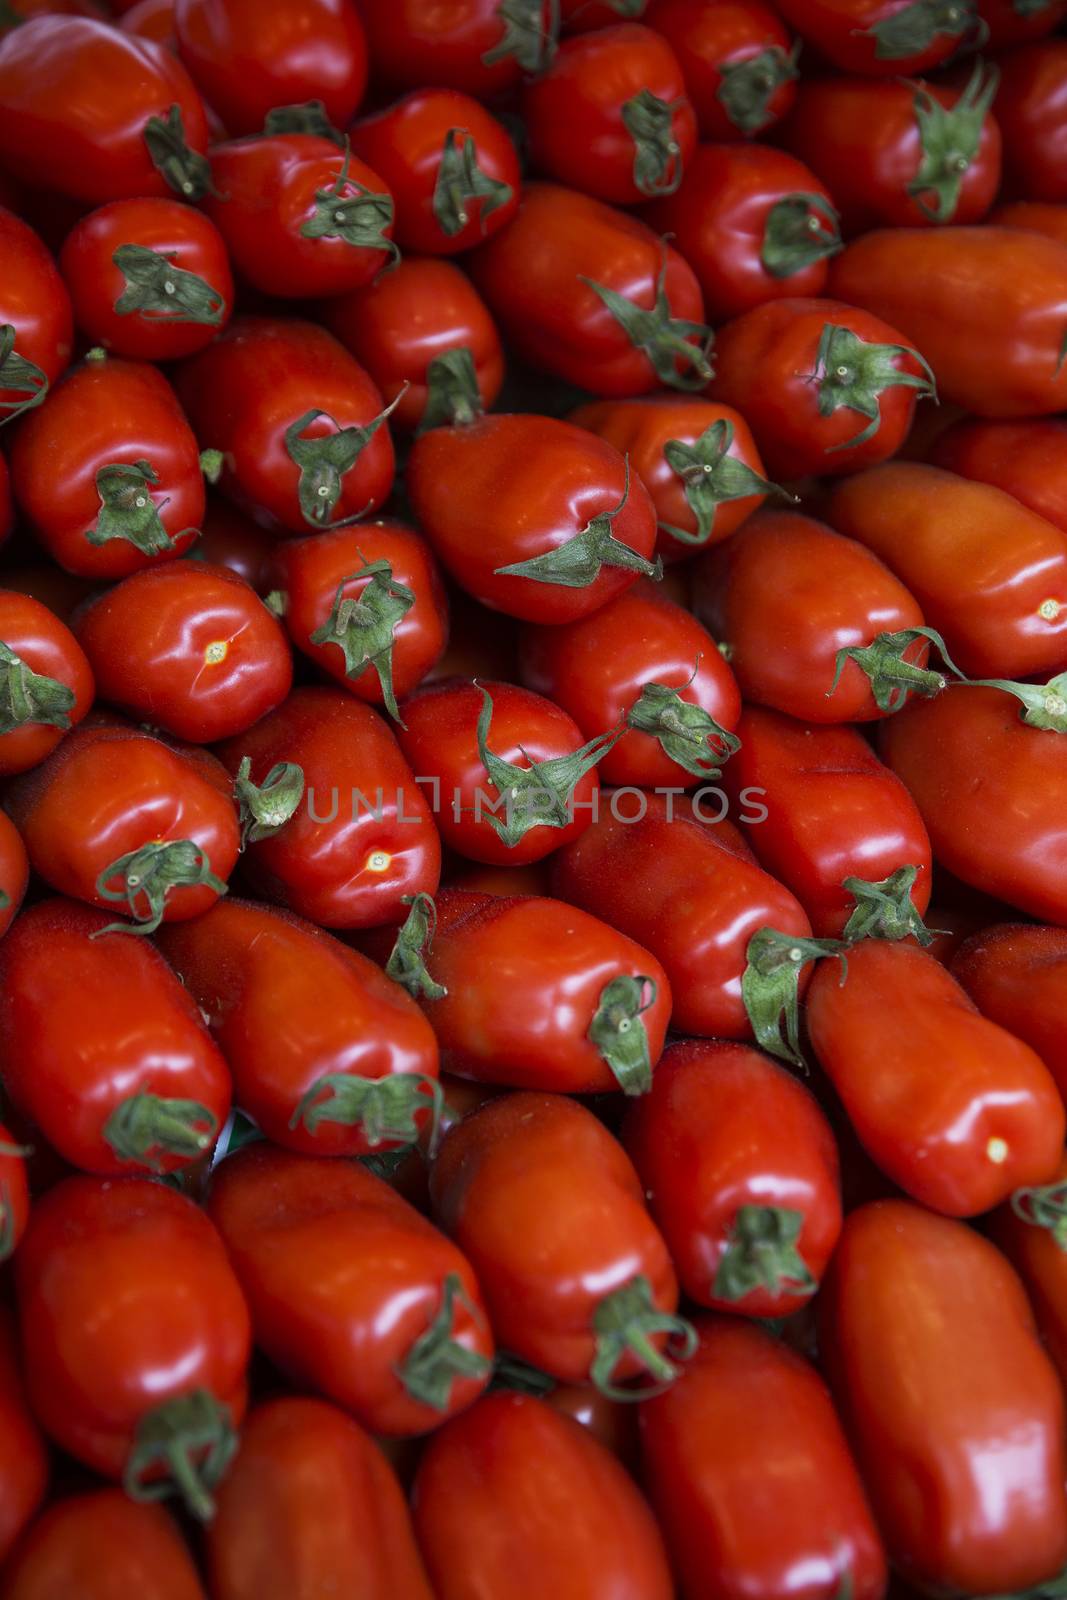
{"points": [[533, 764]]}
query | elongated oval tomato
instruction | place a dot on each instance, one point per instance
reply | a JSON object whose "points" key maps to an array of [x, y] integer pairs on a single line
{"points": [[1032, 109], [471, 45], [746, 1412], [352, 1292], [361, 838], [1029, 1230], [35, 307], [142, 1084], [932, 1383], [586, 1535], [14, 872], [1028, 460], [336, 1511], [882, 38], [1016, 974], [738, 62], [88, 1544], [47, 681], [953, 1108], [23, 1457]]}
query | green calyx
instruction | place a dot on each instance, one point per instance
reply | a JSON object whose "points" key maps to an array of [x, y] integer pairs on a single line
{"points": [[770, 987], [762, 1253], [851, 372], [531, 34], [687, 733], [414, 941], [885, 910], [540, 795], [949, 139], [666, 341], [577, 562], [308, 117], [5, 899], [143, 1128], [509, 1372], [1030, 8], [626, 1321], [800, 230], [127, 510], [749, 86], [193, 1440], [438, 1358], [891, 676], [453, 398], [1044, 704], [387, 1110], [620, 1035], [187, 172], [146, 877], [710, 477], [350, 212], [1044, 1207], [30, 697], [460, 181], [264, 808], [911, 31], [363, 626], [657, 160], [158, 291], [323, 462], [18, 375]]}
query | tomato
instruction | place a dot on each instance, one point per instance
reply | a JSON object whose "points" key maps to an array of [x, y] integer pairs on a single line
{"points": [[352, 1292], [533, 516], [228, 538], [593, 296], [151, 19], [477, 46], [299, 423], [938, 285], [14, 872], [451, 167], [18, 11], [36, 328], [362, 838], [883, 38], [405, 327], [1033, 216], [575, 1274], [933, 1358], [47, 681], [1026, 459], [135, 1335], [23, 1458], [1029, 1230], [581, 16], [117, 818], [748, 1413], [101, 1545], [587, 1534], [1016, 21], [1032, 109], [1016, 975], [786, 597], [188, 647], [647, 662], [737, 59], [825, 387], [988, 573], [148, 278], [249, 56], [835, 814], [336, 1512], [145, 136], [367, 605], [900, 154]]}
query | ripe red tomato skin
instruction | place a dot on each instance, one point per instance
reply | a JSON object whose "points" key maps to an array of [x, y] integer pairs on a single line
{"points": [[247, 57], [412, 45], [151, 19], [14, 871], [395, 327], [47, 646], [404, 142], [88, 1543], [316, 866], [229, 538], [126, 1300], [295, 1227], [1039, 1260], [1008, 26], [1032, 109], [591, 1537], [1024, 458], [954, 1109], [61, 136], [930, 1384], [841, 31], [595, 669], [24, 1464], [104, 413], [704, 38], [186, 236], [35, 300], [1016, 974], [339, 1515]]}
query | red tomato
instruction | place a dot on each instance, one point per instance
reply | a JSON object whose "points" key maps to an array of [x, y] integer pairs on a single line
{"points": [[1016, 974], [299, 423], [1032, 110], [23, 1458], [932, 1382], [151, 19], [47, 681], [587, 1534], [362, 838], [477, 46], [228, 538], [336, 1512], [117, 818], [1016, 21], [102, 1545], [404, 327], [368, 606], [451, 167], [825, 388], [938, 285], [738, 62], [249, 56], [148, 278], [883, 38], [14, 872], [786, 597], [1030, 1232], [533, 516], [575, 1274], [36, 330], [189, 648], [143, 1085], [145, 136], [1028, 460], [746, 1414], [593, 296], [352, 1292], [647, 662]]}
